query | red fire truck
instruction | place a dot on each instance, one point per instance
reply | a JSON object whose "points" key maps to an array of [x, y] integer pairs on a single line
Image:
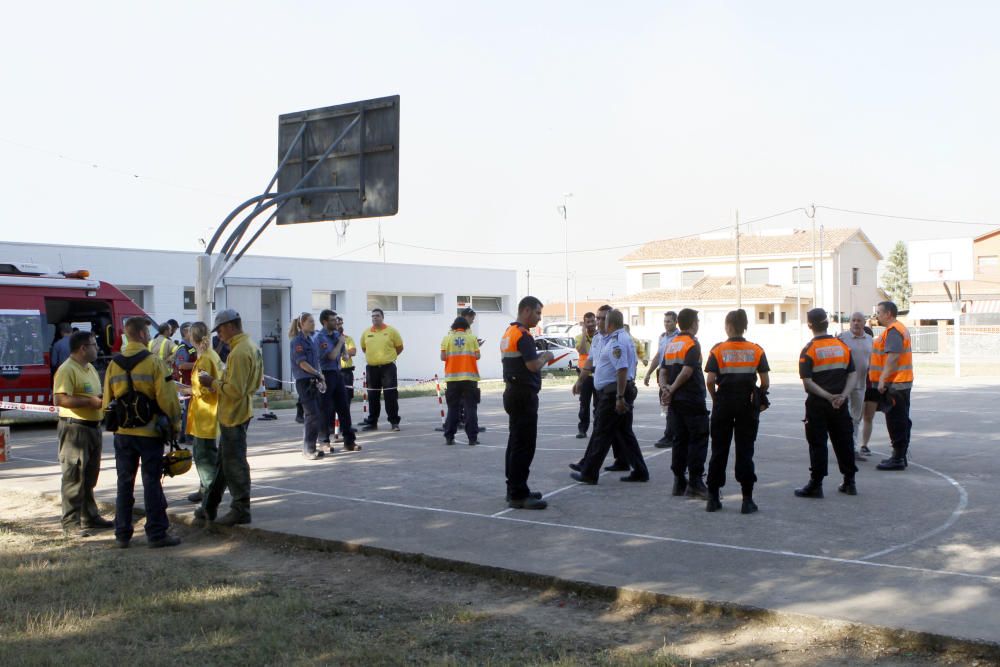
{"points": [[33, 302]]}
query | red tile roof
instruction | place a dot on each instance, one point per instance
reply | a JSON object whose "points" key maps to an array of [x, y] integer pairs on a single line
{"points": [[797, 243]]}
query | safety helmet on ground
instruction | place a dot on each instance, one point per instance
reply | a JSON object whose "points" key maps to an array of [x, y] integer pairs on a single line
{"points": [[177, 461]]}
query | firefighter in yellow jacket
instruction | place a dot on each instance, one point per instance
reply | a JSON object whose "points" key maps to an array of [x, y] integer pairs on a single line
{"points": [[460, 353], [142, 445]]}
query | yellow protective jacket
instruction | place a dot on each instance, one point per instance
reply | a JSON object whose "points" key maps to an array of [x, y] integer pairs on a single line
{"points": [[203, 419], [240, 381], [151, 377]]}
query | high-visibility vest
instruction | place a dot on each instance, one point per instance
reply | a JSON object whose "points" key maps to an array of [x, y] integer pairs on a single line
{"points": [[460, 348], [828, 354], [676, 350], [902, 377], [737, 357], [586, 342], [162, 347]]}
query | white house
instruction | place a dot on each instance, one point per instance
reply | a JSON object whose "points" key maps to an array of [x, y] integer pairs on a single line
{"points": [[420, 301], [780, 273]]}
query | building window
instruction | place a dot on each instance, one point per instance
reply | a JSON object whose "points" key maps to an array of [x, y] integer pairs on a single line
{"points": [[138, 296], [487, 304], [322, 300], [650, 280], [387, 302], [189, 303], [762, 316], [802, 274], [755, 276], [987, 262], [855, 276], [419, 304], [689, 278]]}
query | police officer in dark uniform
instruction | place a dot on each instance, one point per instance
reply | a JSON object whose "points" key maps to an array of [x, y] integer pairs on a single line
{"points": [[682, 389], [309, 382], [827, 373], [614, 383], [522, 374], [329, 346], [731, 377]]}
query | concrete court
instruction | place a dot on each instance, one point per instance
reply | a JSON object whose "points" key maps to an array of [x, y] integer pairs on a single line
{"points": [[917, 550]]}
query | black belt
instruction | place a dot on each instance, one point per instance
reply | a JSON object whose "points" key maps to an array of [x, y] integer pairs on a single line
{"points": [[81, 422], [613, 387]]}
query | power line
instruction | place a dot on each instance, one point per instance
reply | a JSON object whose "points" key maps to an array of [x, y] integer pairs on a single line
{"points": [[907, 217]]}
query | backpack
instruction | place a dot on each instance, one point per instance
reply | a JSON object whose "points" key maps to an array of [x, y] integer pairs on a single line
{"points": [[132, 409]]}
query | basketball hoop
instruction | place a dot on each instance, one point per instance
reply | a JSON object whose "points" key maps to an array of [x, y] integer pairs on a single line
{"points": [[340, 227]]}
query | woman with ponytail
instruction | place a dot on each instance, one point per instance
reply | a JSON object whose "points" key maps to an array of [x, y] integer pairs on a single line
{"points": [[731, 378], [308, 380]]}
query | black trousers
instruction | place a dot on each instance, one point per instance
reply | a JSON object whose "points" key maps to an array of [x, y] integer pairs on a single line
{"points": [[691, 446], [379, 377], [609, 428], [335, 402], [897, 420], [348, 376], [588, 403], [462, 397], [733, 416], [80, 460], [822, 420], [520, 402], [670, 432], [312, 413]]}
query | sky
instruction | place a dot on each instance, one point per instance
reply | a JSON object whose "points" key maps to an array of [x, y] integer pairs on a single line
{"points": [[144, 124]]}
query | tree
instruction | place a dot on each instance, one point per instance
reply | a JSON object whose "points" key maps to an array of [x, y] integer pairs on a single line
{"points": [[896, 277]]}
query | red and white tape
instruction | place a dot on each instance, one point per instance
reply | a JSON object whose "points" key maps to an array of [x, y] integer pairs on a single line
{"points": [[29, 407]]}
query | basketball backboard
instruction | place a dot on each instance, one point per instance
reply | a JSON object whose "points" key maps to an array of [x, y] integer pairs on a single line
{"points": [[938, 260], [366, 158]]}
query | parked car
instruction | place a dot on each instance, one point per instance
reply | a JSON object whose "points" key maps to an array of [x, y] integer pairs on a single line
{"points": [[562, 329], [563, 349]]}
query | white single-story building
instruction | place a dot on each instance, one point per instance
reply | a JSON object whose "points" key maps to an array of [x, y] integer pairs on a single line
{"points": [[420, 301]]}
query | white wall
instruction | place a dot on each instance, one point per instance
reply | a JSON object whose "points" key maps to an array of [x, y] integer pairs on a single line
{"points": [[166, 274]]}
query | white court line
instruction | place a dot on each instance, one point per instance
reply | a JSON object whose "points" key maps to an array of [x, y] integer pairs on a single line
{"points": [[655, 538], [963, 502]]}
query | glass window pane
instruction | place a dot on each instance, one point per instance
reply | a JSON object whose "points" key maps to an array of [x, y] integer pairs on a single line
{"points": [[802, 274], [189, 303], [755, 276], [650, 280], [387, 302], [689, 278], [423, 304], [137, 296], [487, 304], [21, 340]]}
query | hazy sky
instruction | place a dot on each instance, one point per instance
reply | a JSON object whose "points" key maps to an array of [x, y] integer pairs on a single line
{"points": [[661, 118]]}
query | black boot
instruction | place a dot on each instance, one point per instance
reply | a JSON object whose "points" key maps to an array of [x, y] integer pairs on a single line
{"points": [[714, 503], [814, 489], [848, 487], [696, 489], [680, 485], [895, 462]]}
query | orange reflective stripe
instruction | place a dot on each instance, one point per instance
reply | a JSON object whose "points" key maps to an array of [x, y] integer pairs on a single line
{"points": [[677, 349], [583, 359], [829, 354], [508, 343], [735, 356]]}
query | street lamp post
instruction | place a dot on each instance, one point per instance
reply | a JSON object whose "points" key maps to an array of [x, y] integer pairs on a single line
{"points": [[565, 215]]}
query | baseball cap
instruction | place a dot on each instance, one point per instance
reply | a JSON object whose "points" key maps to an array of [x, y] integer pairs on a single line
{"points": [[816, 316], [224, 317]]}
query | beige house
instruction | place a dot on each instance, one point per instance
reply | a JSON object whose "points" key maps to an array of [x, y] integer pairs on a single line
{"points": [[781, 271]]}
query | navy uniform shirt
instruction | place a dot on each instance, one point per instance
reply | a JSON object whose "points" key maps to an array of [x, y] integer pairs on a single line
{"points": [[616, 351], [325, 342], [685, 350], [517, 346], [303, 349]]}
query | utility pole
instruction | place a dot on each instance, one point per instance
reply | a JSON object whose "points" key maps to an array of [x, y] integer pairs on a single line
{"points": [[822, 283], [812, 214], [565, 214], [739, 276], [528, 289]]}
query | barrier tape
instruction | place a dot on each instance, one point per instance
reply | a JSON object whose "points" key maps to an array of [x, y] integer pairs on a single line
{"points": [[364, 386], [29, 407], [361, 383]]}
